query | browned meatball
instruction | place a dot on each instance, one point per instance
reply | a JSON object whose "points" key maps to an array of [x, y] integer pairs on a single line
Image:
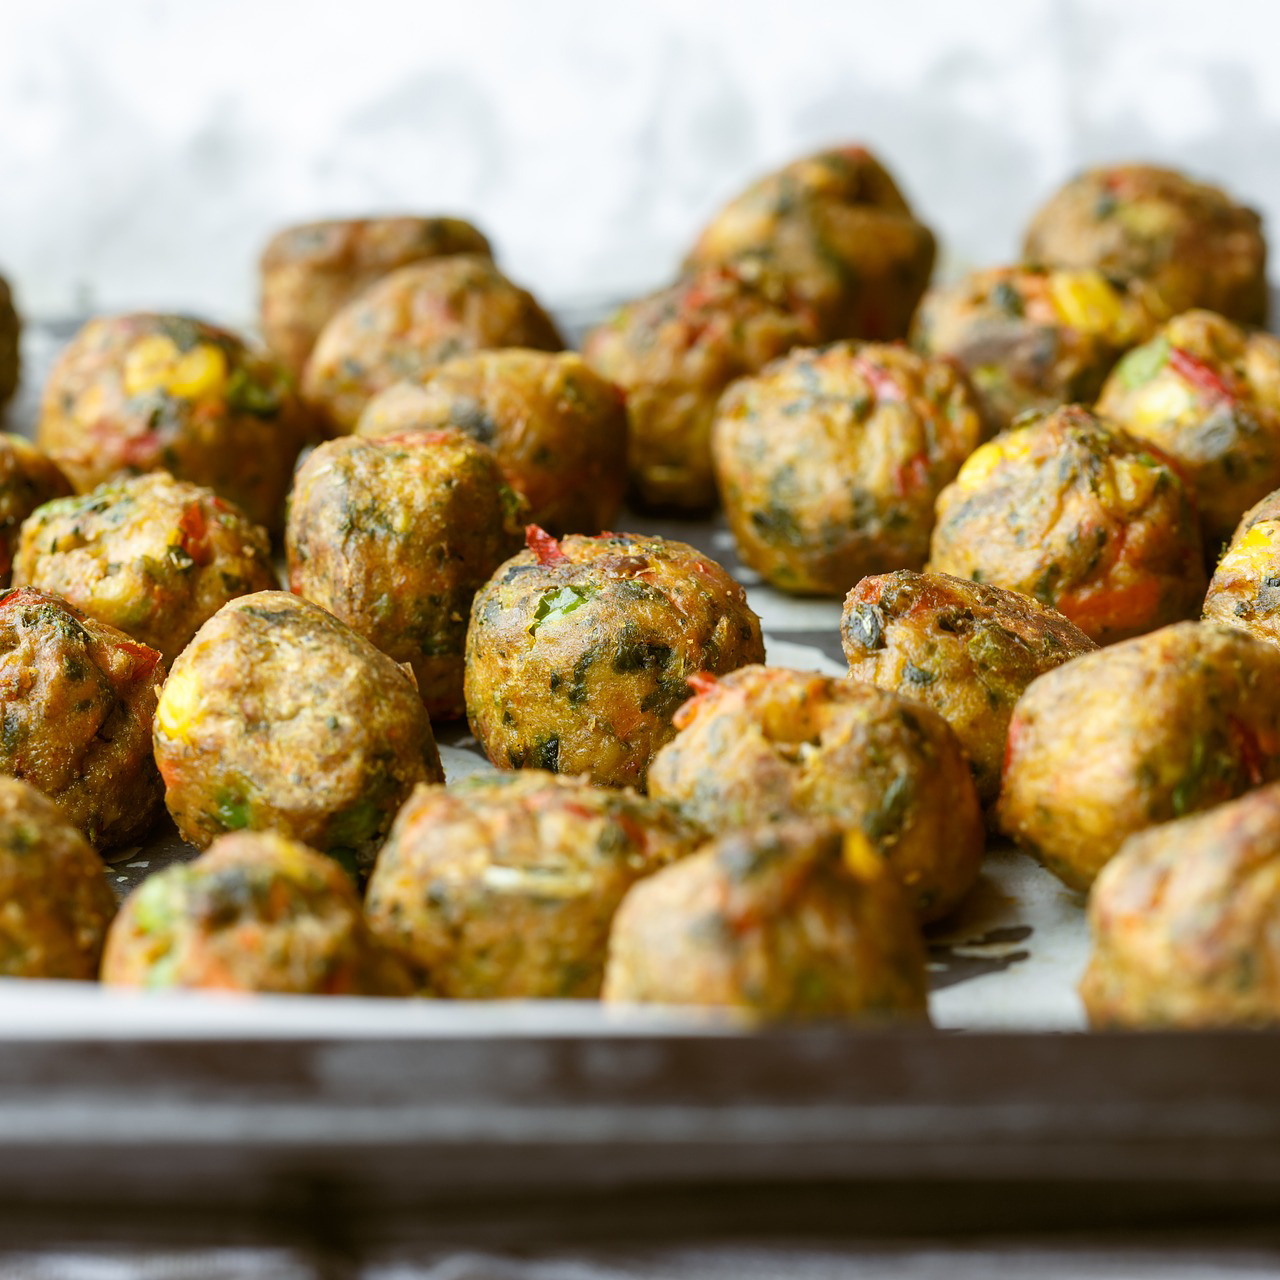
{"points": [[1033, 339], [155, 392], [76, 703], [579, 652], [411, 321], [1245, 590], [789, 921], [840, 231], [27, 480], [257, 912], [10, 332], [505, 887], [559, 429], [1207, 394], [1083, 517], [766, 743], [1186, 922], [1149, 730], [674, 352], [151, 555], [395, 536], [829, 462], [312, 270], [278, 717], [56, 903], [1191, 241], [963, 648]]}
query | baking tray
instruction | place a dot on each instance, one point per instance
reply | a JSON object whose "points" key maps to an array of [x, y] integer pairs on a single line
{"points": [[220, 1095]]}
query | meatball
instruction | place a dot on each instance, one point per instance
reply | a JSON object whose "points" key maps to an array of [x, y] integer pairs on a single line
{"points": [[154, 556], [143, 393], [558, 428], [674, 352], [1245, 589], [57, 903], [76, 702], [10, 331], [963, 648], [766, 743], [1117, 741], [411, 321], [836, 225], [1083, 517], [505, 887], [1186, 922], [395, 536], [579, 652], [1191, 241], [278, 717], [790, 921], [257, 912], [829, 462], [1208, 394], [27, 480], [1033, 339], [311, 271]]}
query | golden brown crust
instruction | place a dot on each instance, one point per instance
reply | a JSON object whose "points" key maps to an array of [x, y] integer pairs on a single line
{"points": [[1149, 730], [312, 270], [965, 649], [10, 332], [1186, 922], [505, 887], [151, 555], [257, 912], [579, 652], [778, 922], [829, 461], [411, 321], [394, 536], [27, 480], [559, 430], [1083, 517], [765, 743]]}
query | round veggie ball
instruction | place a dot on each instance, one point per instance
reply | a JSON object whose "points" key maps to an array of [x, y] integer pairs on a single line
{"points": [[257, 912], [1186, 922], [310, 271], [579, 652], [963, 648], [789, 921], [674, 352], [395, 536], [76, 702], [766, 743], [154, 556], [1149, 730], [278, 717], [1077, 513], [1208, 394], [1033, 339], [144, 392], [411, 321], [27, 480], [57, 903], [829, 462], [1191, 241], [505, 887], [836, 225], [10, 332], [558, 428], [1245, 588]]}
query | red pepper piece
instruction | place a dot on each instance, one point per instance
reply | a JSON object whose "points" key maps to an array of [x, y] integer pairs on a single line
{"points": [[1199, 374], [701, 682], [881, 383], [195, 534], [543, 545], [911, 475]]}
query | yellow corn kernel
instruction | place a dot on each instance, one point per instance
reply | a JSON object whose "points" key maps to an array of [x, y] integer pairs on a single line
{"points": [[1135, 482], [200, 371], [1259, 548], [1085, 301], [1166, 398], [178, 706], [149, 364], [986, 458], [860, 856]]}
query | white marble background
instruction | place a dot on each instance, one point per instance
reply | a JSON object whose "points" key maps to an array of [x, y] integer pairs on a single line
{"points": [[147, 147]]}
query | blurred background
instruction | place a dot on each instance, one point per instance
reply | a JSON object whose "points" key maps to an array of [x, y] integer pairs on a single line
{"points": [[149, 148]]}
